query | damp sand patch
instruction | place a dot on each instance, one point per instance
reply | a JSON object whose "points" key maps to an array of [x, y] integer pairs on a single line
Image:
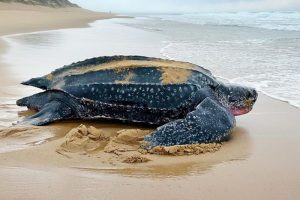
{"points": [[22, 137]]}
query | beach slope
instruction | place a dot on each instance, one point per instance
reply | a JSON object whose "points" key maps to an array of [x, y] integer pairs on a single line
{"points": [[20, 18]]}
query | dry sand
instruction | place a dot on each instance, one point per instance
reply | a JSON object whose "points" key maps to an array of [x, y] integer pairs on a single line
{"points": [[261, 161], [18, 18]]}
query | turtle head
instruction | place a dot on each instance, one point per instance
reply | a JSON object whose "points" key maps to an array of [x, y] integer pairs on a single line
{"points": [[40, 82], [238, 99]]}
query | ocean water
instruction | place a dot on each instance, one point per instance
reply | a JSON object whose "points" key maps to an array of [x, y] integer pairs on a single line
{"points": [[289, 21], [261, 50]]}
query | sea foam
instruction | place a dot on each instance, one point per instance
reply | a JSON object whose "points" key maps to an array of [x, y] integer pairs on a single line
{"points": [[267, 20]]}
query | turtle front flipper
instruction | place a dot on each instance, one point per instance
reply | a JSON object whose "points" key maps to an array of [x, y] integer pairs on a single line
{"points": [[52, 105], [208, 123]]}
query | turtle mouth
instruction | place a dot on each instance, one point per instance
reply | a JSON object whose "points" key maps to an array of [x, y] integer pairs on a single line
{"points": [[240, 111], [248, 104]]}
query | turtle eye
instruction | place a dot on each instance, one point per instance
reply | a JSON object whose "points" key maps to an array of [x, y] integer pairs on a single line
{"points": [[249, 95], [213, 86]]}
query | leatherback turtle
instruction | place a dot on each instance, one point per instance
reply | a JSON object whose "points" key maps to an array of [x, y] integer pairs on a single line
{"points": [[185, 100]]}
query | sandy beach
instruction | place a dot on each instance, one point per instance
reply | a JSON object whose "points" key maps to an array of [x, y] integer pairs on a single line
{"points": [[25, 18], [259, 162]]}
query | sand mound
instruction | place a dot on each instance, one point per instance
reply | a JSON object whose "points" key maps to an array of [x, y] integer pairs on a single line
{"points": [[89, 139], [136, 159], [125, 144], [131, 136], [83, 139], [190, 149]]}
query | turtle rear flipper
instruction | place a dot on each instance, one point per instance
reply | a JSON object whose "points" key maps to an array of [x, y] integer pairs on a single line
{"points": [[51, 112], [52, 105], [208, 123]]}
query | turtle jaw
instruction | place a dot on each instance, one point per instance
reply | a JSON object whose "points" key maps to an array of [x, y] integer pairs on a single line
{"points": [[241, 111], [246, 107]]}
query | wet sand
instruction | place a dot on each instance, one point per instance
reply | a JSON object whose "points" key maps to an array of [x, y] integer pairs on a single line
{"points": [[259, 162]]}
